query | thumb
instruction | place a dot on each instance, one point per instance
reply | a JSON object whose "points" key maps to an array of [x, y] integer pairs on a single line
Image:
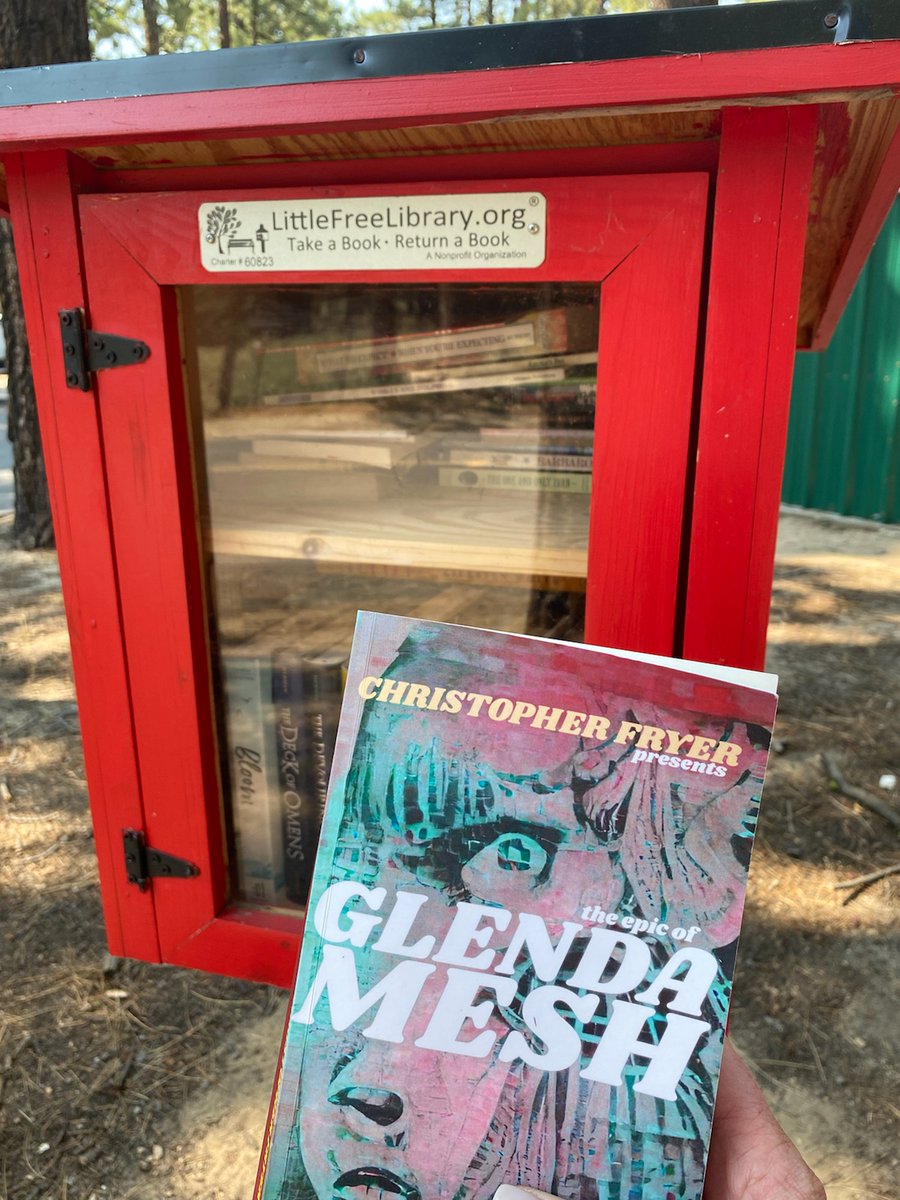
{"points": [[509, 1191]]}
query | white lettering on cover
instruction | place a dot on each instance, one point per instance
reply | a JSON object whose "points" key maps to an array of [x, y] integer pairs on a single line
{"points": [[466, 929], [398, 926], [455, 1008], [611, 964], [540, 1014], [668, 1058], [598, 956], [332, 906], [336, 976], [691, 990], [531, 935]]}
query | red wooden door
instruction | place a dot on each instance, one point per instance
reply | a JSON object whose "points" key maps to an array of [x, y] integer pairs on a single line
{"points": [[639, 240]]}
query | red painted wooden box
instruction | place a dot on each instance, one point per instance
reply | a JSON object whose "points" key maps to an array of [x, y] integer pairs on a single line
{"points": [[489, 325]]}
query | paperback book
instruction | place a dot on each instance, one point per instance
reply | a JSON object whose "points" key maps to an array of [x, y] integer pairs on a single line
{"points": [[547, 331], [520, 459], [255, 806], [523, 920], [516, 481], [306, 694], [282, 707]]}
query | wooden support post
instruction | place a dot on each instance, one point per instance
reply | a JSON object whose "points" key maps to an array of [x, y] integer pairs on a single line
{"points": [[759, 232]]}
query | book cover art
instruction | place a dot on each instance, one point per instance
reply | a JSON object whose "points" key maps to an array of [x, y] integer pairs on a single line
{"points": [[521, 933]]}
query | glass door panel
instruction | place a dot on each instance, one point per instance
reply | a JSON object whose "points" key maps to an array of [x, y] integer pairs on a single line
{"points": [[424, 450]]}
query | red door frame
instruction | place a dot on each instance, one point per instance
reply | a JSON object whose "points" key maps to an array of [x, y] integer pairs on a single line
{"points": [[769, 188], [43, 191], [647, 250]]}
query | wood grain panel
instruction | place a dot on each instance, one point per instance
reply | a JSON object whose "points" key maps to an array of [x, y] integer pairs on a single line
{"points": [[545, 132], [853, 142]]}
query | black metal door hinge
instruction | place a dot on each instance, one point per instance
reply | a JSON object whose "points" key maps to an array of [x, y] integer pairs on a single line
{"points": [[84, 350], [143, 863]]}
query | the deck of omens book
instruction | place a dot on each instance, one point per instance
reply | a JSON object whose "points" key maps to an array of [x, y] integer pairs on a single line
{"points": [[521, 936]]}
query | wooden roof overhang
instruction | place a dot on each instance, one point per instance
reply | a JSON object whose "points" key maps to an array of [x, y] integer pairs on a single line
{"points": [[641, 92]]}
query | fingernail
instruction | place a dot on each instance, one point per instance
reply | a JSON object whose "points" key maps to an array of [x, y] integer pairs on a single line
{"points": [[508, 1191]]}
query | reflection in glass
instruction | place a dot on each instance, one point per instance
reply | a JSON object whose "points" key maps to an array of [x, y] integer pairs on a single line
{"points": [[423, 450]]}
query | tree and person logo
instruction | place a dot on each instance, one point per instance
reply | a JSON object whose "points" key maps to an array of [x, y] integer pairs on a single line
{"points": [[222, 224]]}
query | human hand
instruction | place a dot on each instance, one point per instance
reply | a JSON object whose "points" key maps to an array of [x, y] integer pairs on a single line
{"points": [[750, 1155]]}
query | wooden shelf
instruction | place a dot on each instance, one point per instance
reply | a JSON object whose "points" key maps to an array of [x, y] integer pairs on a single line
{"points": [[516, 537]]}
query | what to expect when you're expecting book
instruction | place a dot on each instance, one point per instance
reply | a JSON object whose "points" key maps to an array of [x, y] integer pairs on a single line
{"points": [[522, 927]]}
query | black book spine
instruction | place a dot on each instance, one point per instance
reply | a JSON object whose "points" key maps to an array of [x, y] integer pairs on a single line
{"points": [[325, 685], [292, 750]]}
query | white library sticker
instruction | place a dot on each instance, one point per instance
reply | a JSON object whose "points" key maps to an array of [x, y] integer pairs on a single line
{"points": [[375, 233]]}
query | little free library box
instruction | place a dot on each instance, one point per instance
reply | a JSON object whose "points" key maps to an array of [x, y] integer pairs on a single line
{"points": [[492, 326]]}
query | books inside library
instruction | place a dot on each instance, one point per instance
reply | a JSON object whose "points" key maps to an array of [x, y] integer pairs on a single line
{"points": [[434, 461]]}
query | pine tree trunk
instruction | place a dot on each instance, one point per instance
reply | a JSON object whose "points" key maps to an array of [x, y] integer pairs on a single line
{"points": [[225, 26], [32, 33], [151, 25]]}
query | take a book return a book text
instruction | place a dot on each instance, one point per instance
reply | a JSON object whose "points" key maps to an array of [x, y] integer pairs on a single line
{"points": [[522, 925]]}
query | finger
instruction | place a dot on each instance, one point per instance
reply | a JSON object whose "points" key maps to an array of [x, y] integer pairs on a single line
{"points": [[750, 1155]]}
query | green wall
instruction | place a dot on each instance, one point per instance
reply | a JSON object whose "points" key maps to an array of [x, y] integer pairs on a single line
{"points": [[843, 451]]}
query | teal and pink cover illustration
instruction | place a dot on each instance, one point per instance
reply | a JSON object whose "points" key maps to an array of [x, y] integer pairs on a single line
{"points": [[521, 934]]}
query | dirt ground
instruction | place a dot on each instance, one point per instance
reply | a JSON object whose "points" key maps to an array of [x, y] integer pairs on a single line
{"points": [[123, 1081]]}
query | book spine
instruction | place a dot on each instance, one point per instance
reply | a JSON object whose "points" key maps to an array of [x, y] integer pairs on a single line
{"points": [[581, 439], [325, 687], [499, 365], [520, 459], [255, 809], [578, 483], [511, 379], [289, 706], [390, 354]]}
